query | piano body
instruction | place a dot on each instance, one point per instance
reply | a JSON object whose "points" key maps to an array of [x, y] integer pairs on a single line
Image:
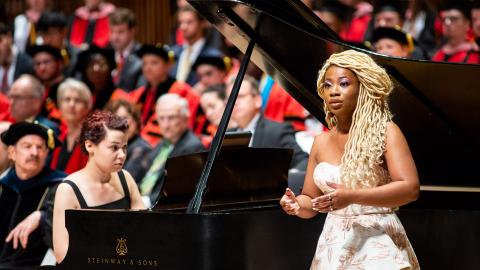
{"points": [[436, 105]]}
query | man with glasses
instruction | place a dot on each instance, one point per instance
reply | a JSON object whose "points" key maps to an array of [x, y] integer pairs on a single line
{"points": [[48, 67], [455, 17], [26, 103], [172, 112], [25, 191]]}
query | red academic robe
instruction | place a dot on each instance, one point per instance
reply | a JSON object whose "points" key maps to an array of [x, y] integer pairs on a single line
{"points": [[282, 107], [151, 131], [77, 160]]}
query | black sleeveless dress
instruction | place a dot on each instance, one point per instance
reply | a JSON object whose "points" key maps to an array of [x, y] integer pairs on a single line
{"points": [[123, 203]]}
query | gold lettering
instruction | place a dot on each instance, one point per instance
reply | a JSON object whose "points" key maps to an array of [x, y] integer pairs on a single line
{"points": [[155, 263], [131, 262], [124, 261]]}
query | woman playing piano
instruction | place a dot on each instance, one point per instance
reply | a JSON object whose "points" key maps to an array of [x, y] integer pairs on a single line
{"points": [[358, 172], [101, 184]]}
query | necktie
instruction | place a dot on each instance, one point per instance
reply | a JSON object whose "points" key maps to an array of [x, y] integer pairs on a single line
{"points": [[120, 63], [184, 65], [4, 86], [151, 177]]}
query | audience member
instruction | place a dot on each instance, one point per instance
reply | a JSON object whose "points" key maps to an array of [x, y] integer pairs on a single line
{"points": [[389, 13], [52, 27], [156, 64], [420, 18], [455, 16], [48, 66], [335, 15], [128, 69], [5, 162], [74, 103], [90, 24], [26, 102], [476, 21], [13, 63], [213, 102], [192, 27], [211, 70], [137, 146], [101, 184], [358, 25], [95, 67], [392, 42], [266, 133], [24, 25], [24, 188], [172, 113]]}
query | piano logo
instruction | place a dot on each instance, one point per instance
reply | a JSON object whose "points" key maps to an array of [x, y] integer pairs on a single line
{"points": [[122, 247]]}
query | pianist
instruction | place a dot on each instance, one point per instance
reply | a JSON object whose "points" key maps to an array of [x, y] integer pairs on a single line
{"points": [[358, 172], [101, 184]]}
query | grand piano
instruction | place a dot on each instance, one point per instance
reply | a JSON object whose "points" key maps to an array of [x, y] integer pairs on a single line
{"points": [[436, 105]]}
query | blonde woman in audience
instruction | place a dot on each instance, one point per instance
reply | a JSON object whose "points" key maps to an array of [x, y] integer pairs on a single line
{"points": [[74, 103]]}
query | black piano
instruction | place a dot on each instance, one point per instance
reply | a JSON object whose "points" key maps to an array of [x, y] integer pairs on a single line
{"points": [[437, 106]]}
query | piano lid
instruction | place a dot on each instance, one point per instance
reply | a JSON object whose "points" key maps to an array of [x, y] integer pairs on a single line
{"points": [[436, 104]]}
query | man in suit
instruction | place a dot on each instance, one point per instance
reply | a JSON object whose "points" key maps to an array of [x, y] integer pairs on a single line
{"points": [[266, 133], [192, 27], [127, 74], [12, 62], [172, 115]]}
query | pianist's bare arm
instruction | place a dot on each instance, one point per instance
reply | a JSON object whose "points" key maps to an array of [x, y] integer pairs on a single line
{"points": [[403, 188], [301, 205], [64, 199], [136, 198]]}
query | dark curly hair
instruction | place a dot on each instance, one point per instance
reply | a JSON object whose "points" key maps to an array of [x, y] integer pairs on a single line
{"points": [[95, 127]]}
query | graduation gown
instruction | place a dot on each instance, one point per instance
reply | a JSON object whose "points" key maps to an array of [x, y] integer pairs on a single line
{"points": [[18, 199]]}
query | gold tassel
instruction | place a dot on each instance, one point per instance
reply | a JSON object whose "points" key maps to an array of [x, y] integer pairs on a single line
{"points": [[51, 139]]}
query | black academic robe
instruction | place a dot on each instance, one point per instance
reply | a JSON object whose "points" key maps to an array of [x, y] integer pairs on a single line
{"points": [[18, 199]]}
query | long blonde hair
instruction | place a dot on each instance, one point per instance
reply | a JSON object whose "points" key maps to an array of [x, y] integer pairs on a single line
{"points": [[366, 140]]}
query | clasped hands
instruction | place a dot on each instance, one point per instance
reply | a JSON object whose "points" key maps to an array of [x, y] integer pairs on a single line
{"points": [[334, 200]]}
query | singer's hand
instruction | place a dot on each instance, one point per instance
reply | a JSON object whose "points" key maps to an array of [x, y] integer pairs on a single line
{"points": [[289, 203]]}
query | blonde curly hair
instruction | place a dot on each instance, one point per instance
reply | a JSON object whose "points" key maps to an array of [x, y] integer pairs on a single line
{"points": [[366, 140]]}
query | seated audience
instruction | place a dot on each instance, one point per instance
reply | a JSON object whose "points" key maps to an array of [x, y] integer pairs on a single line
{"points": [[23, 222], [455, 16], [357, 26], [26, 102], [95, 67], [172, 115], [213, 102], [266, 133], [52, 27], [156, 64], [74, 103], [420, 18], [90, 24], [128, 69], [13, 63], [137, 146], [192, 27], [24, 25], [392, 42], [101, 184], [48, 66], [476, 21], [5, 162], [210, 70], [335, 15]]}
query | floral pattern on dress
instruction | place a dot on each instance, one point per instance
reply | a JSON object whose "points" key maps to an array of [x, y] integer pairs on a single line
{"points": [[360, 237]]}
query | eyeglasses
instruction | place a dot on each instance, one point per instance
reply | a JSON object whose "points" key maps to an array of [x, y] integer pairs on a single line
{"points": [[20, 97], [450, 19], [44, 62], [169, 118]]}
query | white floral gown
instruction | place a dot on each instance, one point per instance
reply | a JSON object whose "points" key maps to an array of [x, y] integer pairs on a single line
{"points": [[360, 237]]}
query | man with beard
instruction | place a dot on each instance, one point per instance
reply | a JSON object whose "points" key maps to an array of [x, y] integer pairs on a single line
{"points": [[25, 191]]}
